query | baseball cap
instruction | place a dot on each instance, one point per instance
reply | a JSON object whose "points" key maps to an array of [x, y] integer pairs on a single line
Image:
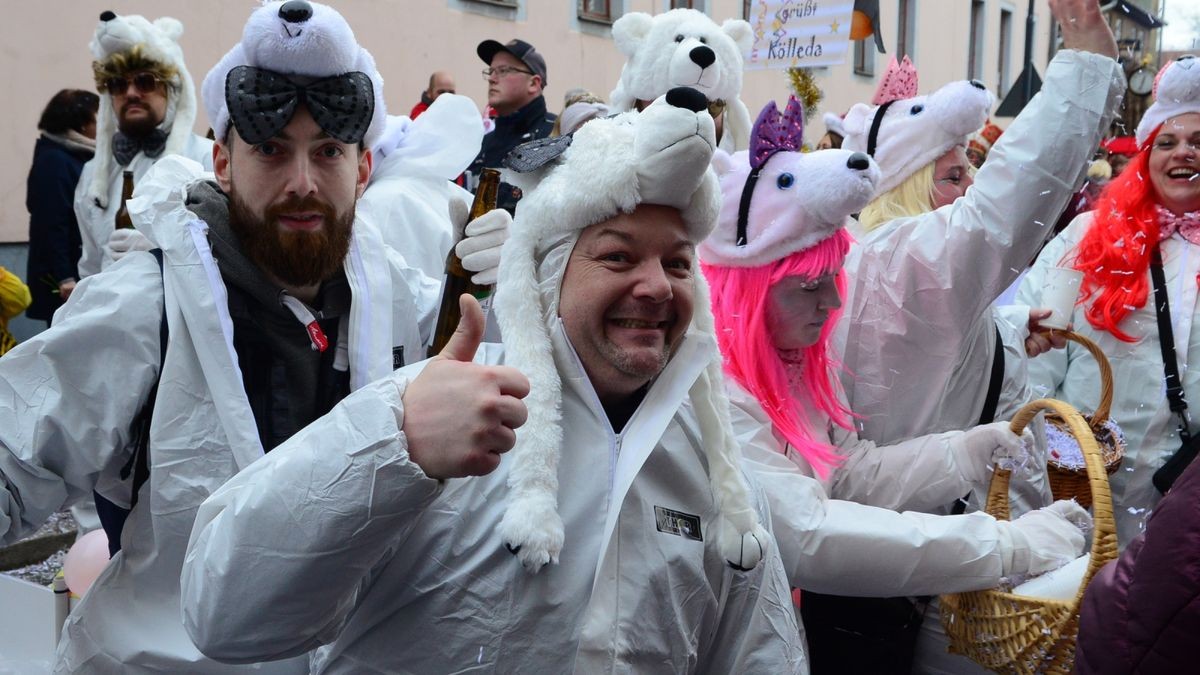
{"points": [[518, 48]]}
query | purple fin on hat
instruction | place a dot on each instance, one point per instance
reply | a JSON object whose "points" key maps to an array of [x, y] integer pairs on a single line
{"points": [[774, 133]]}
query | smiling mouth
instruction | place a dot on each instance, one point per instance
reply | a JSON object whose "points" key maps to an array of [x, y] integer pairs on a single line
{"points": [[301, 221], [640, 324], [1183, 173]]}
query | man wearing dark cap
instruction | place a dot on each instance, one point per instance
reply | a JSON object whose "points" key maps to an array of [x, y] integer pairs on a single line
{"points": [[516, 75]]}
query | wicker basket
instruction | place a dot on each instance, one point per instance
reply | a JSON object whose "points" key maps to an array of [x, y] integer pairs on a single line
{"points": [[1024, 635], [1067, 482]]}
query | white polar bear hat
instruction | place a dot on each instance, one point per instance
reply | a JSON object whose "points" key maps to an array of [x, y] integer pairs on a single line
{"points": [[904, 132], [298, 38], [157, 41], [1176, 92], [685, 48], [660, 156]]}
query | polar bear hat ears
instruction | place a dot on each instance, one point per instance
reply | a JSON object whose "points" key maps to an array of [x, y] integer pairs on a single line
{"points": [[685, 48], [157, 41], [1176, 92], [295, 37]]}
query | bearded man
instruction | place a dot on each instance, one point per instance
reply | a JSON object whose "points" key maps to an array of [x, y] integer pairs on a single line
{"points": [[147, 110], [268, 304]]}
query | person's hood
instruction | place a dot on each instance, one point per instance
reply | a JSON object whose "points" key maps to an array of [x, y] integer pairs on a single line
{"points": [[659, 156]]}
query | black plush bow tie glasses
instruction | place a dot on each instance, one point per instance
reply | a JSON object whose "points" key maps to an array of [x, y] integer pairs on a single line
{"points": [[262, 102]]}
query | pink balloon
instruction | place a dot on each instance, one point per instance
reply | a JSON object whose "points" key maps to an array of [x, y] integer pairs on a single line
{"points": [[85, 560]]}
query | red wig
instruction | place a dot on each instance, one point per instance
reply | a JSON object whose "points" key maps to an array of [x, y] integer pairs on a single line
{"points": [[739, 303], [1114, 254]]}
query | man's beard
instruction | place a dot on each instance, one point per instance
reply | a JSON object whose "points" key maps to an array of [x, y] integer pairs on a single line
{"points": [[294, 257], [140, 127]]}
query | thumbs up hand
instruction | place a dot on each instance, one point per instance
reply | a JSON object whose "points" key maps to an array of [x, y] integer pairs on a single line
{"points": [[460, 416]]}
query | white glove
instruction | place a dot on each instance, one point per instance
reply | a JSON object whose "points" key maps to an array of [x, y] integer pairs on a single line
{"points": [[977, 449], [479, 249], [121, 242], [1046, 539]]}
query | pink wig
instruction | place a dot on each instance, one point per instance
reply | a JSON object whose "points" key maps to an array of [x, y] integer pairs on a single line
{"points": [[739, 303]]}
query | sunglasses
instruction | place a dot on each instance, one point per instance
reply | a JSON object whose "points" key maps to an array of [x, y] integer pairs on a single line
{"points": [[144, 82]]}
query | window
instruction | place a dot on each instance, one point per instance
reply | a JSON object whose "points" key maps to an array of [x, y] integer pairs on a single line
{"points": [[975, 45], [864, 56], [747, 5], [681, 4], [906, 26], [1005, 53], [595, 10]]}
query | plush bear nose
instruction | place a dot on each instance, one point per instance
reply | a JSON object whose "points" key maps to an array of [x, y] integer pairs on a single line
{"points": [[977, 84], [702, 56], [295, 11], [859, 162], [107, 15], [686, 97]]}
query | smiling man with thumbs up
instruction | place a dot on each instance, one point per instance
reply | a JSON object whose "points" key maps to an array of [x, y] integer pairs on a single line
{"points": [[618, 534]]}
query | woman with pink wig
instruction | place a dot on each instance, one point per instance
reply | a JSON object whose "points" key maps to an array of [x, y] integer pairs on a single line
{"points": [[774, 266]]}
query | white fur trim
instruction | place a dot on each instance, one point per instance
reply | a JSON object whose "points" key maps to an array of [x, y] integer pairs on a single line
{"points": [[1176, 93], [917, 131], [659, 156], [322, 46]]}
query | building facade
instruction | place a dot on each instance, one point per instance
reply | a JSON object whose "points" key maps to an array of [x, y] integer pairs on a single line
{"points": [[46, 50]]}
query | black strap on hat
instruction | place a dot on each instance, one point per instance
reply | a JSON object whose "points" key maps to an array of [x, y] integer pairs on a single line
{"points": [[873, 135]]}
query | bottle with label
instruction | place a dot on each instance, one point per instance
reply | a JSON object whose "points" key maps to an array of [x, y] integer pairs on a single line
{"points": [[458, 279], [124, 222]]}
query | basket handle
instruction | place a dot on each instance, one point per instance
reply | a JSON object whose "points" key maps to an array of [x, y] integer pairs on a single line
{"points": [[1106, 376], [1104, 534]]}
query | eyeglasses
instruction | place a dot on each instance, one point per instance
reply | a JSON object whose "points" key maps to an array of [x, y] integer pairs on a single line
{"points": [[144, 82], [502, 71]]}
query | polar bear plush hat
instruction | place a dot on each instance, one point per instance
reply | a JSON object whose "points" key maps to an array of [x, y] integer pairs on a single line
{"points": [[297, 38], [157, 41], [659, 156], [1176, 92], [903, 132], [685, 48]]}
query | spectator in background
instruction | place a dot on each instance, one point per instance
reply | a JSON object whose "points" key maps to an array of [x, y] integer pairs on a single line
{"points": [[835, 132], [579, 106], [14, 298], [1120, 150], [981, 142], [68, 126], [440, 83], [516, 76]]}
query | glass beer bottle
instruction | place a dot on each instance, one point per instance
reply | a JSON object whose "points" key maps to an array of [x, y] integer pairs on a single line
{"points": [[124, 222], [458, 279]]}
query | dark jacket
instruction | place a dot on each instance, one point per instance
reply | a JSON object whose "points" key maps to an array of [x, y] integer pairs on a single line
{"points": [[54, 242], [527, 124], [1141, 613]]}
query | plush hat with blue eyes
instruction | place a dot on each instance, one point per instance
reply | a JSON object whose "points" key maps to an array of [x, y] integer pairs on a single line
{"points": [[778, 200], [904, 132]]}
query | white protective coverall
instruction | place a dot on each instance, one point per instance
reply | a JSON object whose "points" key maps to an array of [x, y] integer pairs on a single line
{"points": [[410, 193], [74, 392], [1140, 402], [96, 224], [918, 340], [848, 548], [339, 539], [919, 334]]}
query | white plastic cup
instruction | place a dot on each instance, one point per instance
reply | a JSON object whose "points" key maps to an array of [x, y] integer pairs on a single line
{"points": [[1059, 295]]}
